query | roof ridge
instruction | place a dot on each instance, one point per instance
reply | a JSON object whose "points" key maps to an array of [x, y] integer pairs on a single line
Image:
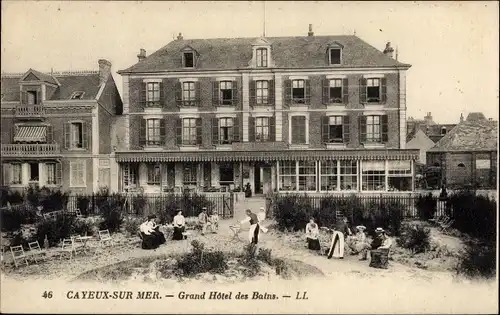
{"points": [[53, 73]]}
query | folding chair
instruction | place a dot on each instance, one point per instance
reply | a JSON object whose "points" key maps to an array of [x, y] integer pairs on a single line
{"points": [[78, 213], [434, 218], [18, 253], [447, 225], [105, 239], [441, 220], [36, 251], [68, 246]]}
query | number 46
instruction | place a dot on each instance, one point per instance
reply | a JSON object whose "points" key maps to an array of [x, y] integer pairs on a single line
{"points": [[47, 295]]}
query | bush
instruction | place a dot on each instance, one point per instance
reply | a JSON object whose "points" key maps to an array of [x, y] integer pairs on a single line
{"points": [[249, 260], [132, 224], [415, 238], [12, 219], [56, 229], [11, 196], [199, 260], [264, 255], [478, 261], [83, 227], [426, 206], [50, 200], [110, 208], [292, 212], [83, 203]]}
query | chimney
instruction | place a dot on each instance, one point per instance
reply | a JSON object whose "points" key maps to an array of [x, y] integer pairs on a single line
{"points": [[461, 117], [142, 54], [104, 71], [388, 51], [428, 119], [310, 33], [180, 37]]}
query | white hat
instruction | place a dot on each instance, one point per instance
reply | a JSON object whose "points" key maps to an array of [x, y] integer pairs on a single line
{"points": [[262, 208], [361, 227], [379, 230]]}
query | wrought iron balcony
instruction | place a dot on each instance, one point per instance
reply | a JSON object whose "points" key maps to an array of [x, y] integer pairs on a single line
{"points": [[30, 111], [30, 149]]}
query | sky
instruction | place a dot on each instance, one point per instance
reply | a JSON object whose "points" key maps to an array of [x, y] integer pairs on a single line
{"points": [[452, 46]]}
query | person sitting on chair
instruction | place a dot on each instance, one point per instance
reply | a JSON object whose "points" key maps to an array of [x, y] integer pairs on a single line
{"points": [[380, 249], [179, 226], [312, 235], [358, 243], [213, 218], [149, 241], [160, 238], [203, 221]]}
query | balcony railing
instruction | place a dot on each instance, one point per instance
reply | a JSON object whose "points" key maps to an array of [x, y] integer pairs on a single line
{"points": [[30, 111], [27, 149]]}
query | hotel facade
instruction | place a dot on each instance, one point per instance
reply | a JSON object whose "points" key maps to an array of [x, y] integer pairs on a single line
{"points": [[288, 114]]}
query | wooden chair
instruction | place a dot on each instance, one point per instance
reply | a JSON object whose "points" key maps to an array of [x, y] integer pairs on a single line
{"points": [[445, 226], [68, 247], [36, 251], [18, 254], [105, 240]]}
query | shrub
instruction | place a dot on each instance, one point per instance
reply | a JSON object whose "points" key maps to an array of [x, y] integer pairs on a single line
{"points": [[199, 260], [264, 255], [50, 200], [249, 260], [281, 268], [83, 227], [415, 238], [139, 203], [110, 208], [11, 196], [56, 229], [292, 212], [478, 261], [83, 203], [12, 219], [132, 224], [426, 206]]}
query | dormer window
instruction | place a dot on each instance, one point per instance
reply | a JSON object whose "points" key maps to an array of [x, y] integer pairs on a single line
{"points": [[261, 55], [188, 60], [335, 55], [443, 131], [78, 95]]}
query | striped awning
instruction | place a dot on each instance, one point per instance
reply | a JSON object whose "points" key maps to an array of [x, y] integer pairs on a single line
{"points": [[31, 134], [265, 156]]}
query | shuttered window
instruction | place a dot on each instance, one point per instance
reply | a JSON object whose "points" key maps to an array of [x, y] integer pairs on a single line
{"points": [[189, 131], [51, 173], [261, 92], [226, 130], [153, 132], [189, 93], [298, 129], [76, 131], [77, 174], [262, 129], [153, 94]]}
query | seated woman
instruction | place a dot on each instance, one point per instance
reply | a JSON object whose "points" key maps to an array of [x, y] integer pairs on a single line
{"points": [[160, 238], [312, 234], [179, 226], [358, 243], [380, 250], [149, 240]]}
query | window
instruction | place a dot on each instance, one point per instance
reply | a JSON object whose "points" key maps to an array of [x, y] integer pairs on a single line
{"points": [[188, 60], [298, 129], [34, 171], [399, 176], [78, 95], [261, 92], [335, 56], [76, 134], [443, 131], [307, 175], [129, 175], [154, 174], [77, 174], [226, 172], [32, 97], [189, 93], [261, 55], [189, 175], [153, 132], [226, 131], [348, 175], [298, 91], [373, 175], [373, 130], [153, 94], [288, 176], [226, 92], [17, 173], [335, 90], [189, 131], [51, 173], [328, 180], [335, 129], [262, 129], [373, 90]]}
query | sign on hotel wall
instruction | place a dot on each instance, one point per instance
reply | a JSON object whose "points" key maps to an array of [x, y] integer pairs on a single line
{"points": [[483, 164]]}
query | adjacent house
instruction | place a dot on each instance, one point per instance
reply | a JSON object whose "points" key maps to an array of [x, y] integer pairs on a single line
{"points": [[56, 128], [467, 155], [289, 114], [432, 130], [420, 141]]}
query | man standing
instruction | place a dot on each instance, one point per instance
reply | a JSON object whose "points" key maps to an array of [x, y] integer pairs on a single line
{"points": [[339, 231], [253, 232]]}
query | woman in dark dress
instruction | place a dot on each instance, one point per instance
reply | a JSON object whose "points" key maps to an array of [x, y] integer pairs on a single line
{"points": [[312, 235], [149, 239], [179, 226]]}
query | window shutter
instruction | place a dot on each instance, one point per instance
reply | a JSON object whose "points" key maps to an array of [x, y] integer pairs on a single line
{"points": [[215, 131], [235, 93], [178, 93], [307, 92], [287, 92], [385, 128], [362, 90], [162, 94], [197, 91], [49, 134], [58, 174], [24, 97], [345, 131], [38, 97], [326, 91], [362, 129], [142, 133], [253, 92], [13, 134], [142, 96], [272, 128], [199, 133], [85, 136], [325, 134], [251, 129], [178, 131], [270, 94], [7, 170], [215, 93], [345, 91], [163, 132], [67, 135], [236, 129], [383, 92]]}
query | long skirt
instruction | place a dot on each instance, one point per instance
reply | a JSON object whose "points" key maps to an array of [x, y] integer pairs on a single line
{"points": [[337, 246], [313, 244], [177, 235], [149, 241], [379, 258], [253, 233], [160, 238]]}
